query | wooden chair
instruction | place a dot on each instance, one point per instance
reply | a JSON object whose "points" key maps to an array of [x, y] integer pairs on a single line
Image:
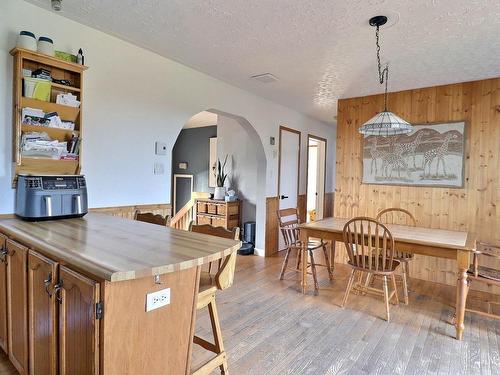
{"points": [[483, 274], [209, 285], [289, 225], [151, 218], [370, 248], [402, 217]]}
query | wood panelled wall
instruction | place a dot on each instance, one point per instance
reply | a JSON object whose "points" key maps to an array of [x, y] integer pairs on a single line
{"points": [[473, 208], [128, 211]]}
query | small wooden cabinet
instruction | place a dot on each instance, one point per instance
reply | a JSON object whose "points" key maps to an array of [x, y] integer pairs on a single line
{"points": [[218, 213], [57, 305], [17, 305], [42, 307], [78, 328], [3, 293]]}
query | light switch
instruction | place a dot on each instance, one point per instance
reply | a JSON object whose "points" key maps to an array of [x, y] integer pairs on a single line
{"points": [[157, 299], [159, 168], [160, 148]]}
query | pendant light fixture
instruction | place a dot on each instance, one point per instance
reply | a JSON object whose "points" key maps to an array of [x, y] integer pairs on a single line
{"points": [[384, 123]]}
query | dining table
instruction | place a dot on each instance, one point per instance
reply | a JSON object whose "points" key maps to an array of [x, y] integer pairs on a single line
{"points": [[439, 243]]}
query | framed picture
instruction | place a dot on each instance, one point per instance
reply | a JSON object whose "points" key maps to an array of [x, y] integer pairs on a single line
{"points": [[431, 155]]}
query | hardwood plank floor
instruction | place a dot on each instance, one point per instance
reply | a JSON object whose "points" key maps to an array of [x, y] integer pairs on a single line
{"points": [[270, 328]]}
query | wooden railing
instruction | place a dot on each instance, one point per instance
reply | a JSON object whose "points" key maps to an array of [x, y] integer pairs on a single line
{"points": [[187, 213]]}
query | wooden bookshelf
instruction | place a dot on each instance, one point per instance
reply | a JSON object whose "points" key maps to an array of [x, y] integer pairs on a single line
{"points": [[60, 69]]}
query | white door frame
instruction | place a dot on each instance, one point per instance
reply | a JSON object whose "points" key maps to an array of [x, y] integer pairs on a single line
{"points": [[175, 188], [321, 168]]}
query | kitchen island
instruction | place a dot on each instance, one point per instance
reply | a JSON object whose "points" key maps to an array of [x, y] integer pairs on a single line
{"points": [[76, 294]]}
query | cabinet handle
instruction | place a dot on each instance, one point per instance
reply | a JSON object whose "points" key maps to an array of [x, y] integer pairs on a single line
{"points": [[47, 283], [3, 254], [57, 291]]}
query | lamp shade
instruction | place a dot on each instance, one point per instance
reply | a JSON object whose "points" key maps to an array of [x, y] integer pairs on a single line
{"points": [[385, 123]]}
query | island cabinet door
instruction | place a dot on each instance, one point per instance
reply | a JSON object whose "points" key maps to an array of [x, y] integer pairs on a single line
{"points": [[17, 305], [42, 275], [3, 293], [78, 324]]}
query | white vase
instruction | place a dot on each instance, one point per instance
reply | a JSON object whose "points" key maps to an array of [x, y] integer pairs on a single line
{"points": [[220, 192]]}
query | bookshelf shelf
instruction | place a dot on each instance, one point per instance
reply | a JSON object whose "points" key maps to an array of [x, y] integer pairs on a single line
{"points": [[62, 70], [66, 113]]}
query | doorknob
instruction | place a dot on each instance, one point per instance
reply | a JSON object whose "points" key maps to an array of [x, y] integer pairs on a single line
{"points": [[284, 197]]}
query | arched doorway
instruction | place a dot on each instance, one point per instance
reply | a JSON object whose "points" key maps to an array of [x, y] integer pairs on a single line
{"points": [[236, 138]]}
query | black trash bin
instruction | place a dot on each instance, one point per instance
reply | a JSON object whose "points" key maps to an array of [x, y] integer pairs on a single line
{"points": [[248, 239]]}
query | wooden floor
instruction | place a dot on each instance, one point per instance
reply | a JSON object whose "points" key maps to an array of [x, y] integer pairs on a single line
{"points": [[270, 328]]}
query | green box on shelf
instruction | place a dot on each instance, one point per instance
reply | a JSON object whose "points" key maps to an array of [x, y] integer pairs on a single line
{"points": [[65, 56]]}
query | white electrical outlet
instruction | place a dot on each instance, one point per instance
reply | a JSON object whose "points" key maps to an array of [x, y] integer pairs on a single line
{"points": [[157, 299]]}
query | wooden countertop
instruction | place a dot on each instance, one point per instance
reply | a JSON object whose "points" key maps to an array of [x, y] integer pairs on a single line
{"points": [[115, 249]]}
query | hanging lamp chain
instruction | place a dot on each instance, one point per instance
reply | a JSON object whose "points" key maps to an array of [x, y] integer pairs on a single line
{"points": [[383, 74]]}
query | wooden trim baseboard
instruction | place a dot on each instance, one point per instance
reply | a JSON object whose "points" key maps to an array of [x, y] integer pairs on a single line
{"points": [[123, 211]]}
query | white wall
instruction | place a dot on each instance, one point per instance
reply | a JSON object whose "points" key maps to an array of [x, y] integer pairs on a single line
{"points": [[134, 97], [242, 163]]}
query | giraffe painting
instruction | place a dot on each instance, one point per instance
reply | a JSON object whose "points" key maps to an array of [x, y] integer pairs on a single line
{"points": [[408, 149], [438, 154], [431, 155]]}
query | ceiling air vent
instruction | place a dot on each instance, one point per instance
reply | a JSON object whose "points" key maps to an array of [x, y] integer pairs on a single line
{"points": [[265, 78]]}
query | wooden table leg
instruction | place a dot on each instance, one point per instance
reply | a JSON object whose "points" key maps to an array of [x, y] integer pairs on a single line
{"points": [[332, 255], [304, 238], [463, 263]]}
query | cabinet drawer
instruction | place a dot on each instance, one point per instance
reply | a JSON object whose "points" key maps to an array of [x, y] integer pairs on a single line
{"points": [[211, 208], [204, 220], [221, 209], [201, 207], [218, 222]]}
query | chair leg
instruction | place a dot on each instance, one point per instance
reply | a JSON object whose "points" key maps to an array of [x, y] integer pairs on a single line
{"points": [[386, 298], [285, 263], [299, 256], [332, 255], [349, 287], [313, 269], [368, 279], [327, 262], [219, 346], [405, 283], [393, 277]]}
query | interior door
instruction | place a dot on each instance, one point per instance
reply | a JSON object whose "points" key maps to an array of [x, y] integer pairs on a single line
{"points": [[3, 293], [42, 275], [78, 324], [289, 161], [17, 305]]}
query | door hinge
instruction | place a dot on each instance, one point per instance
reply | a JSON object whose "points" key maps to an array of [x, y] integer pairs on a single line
{"points": [[99, 310]]}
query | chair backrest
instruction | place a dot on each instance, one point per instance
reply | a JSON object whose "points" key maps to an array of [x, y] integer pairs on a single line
{"points": [[399, 216], [151, 218], [215, 231], [288, 220], [396, 216], [369, 244], [225, 275]]}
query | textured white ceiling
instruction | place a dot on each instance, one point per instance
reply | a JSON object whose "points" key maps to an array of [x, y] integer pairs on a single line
{"points": [[320, 50], [202, 119]]}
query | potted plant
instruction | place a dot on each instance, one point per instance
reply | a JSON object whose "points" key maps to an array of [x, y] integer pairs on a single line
{"points": [[221, 175]]}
